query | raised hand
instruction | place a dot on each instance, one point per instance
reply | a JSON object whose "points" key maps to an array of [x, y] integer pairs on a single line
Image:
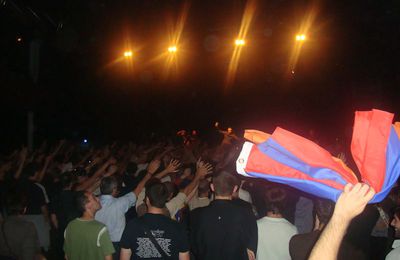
{"points": [[153, 166], [203, 168], [173, 166], [353, 200]]}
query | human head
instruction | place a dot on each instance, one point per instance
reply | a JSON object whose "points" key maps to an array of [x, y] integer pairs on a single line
{"points": [[230, 130], [16, 203], [323, 211], [172, 189], [224, 184], [275, 200], [204, 188], [156, 195], [109, 186], [87, 202], [30, 170], [80, 174], [67, 180], [396, 222]]}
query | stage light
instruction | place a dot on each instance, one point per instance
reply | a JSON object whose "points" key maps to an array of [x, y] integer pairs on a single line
{"points": [[19, 39], [300, 37], [239, 42], [172, 49], [127, 54]]}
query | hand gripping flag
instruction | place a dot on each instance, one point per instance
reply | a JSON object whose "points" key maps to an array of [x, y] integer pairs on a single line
{"points": [[287, 158]]}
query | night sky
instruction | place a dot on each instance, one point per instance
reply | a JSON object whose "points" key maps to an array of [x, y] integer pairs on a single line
{"points": [[57, 59]]}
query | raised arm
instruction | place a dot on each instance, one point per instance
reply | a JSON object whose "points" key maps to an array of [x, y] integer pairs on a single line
{"points": [[92, 180], [202, 170], [151, 169], [171, 167], [350, 204], [23, 155]]}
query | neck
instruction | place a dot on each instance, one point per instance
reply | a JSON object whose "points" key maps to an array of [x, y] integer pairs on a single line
{"points": [[154, 210], [271, 214], [223, 197], [88, 215]]}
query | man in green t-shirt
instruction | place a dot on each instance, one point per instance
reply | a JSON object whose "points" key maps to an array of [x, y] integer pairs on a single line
{"points": [[86, 238]]}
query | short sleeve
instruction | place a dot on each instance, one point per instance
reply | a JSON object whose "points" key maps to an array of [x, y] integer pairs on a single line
{"points": [[126, 239], [251, 229], [140, 199], [106, 245], [176, 203], [183, 243], [126, 201]]}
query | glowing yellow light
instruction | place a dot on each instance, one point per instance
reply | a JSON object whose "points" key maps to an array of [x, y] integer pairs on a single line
{"points": [[239, 42], [19, 39], [128, 54], [300, 37], [172, 49]]}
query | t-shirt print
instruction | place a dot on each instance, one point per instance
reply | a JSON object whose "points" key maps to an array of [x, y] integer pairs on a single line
{"points": [[146, 249]]}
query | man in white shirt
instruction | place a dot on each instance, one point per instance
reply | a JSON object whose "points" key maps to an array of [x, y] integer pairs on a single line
{"points": [[395, 253], [274, 231], [113, 209]]}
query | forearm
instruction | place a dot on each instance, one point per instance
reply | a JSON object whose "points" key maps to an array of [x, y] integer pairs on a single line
{"points": [[92, 180], [192, 185], [327, 246], [141, 184], [20, 168]]}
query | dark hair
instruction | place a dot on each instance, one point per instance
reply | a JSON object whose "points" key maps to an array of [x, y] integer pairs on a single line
{"points": [[16, 203], [81, 200], [67, 179], [172, 189], [224, 182], [131, 168], [275, 200], [30, 170], [79, 172], [323, 209], [108, 184], [157, 194], [397, 212]]}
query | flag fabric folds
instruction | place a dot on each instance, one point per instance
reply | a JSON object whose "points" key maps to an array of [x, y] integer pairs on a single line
{"points": [[287, 158]]}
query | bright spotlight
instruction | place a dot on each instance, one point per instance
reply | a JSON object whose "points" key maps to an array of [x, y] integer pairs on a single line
{"points": [[172, 49], [127, 54], [300, 37], [239, 42]]}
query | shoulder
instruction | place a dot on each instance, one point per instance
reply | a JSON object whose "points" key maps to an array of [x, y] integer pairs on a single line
{"points": [[394, 254]]}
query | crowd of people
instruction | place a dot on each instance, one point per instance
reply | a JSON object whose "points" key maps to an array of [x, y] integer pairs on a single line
{"points": [[171, 199]]}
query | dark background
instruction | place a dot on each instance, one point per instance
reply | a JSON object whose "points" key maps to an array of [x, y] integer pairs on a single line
{"points": [[349, 62]]}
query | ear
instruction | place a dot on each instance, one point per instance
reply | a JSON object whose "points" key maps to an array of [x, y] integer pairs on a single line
{"points": [[235, 189], [212, 187]]}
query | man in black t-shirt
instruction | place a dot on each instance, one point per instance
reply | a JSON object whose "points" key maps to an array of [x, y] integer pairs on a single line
{"points": [[137, 243], [223, 230]]}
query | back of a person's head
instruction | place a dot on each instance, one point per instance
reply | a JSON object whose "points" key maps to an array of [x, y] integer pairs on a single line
{"points": [[16, 203], [204, 187], [81, 200], [172, 189], [29, 170], [275, 200], [324, 210], [224, 183], [131, 168], [158, 194], [108, 184], [67, 179]]}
